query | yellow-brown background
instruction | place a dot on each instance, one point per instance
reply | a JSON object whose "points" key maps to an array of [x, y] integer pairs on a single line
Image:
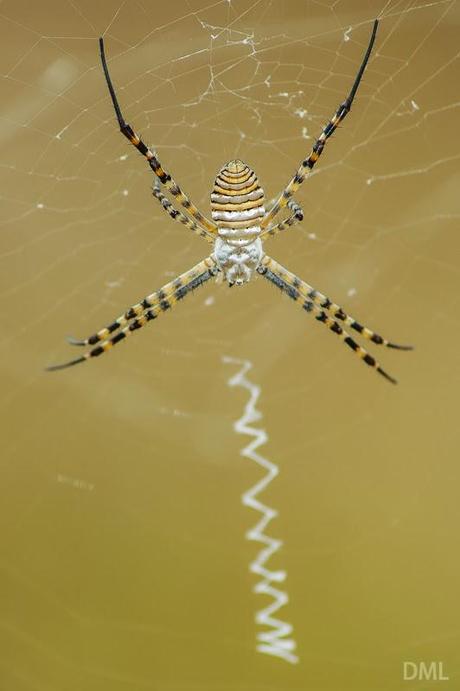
{"points": [[123, 562]]}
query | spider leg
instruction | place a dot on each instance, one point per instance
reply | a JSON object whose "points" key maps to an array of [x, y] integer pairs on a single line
{"points": [[307, 291], [301, 292], [308, 163], [159, 297], [147, 310], [178, 215], [295, 217], [164, 177]]}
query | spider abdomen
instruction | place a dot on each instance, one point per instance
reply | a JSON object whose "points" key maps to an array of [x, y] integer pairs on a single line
{"points": [[237, 200], [237, 207]]}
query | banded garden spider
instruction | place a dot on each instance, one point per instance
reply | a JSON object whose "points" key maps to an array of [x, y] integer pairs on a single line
{"points": [[239, 227]]}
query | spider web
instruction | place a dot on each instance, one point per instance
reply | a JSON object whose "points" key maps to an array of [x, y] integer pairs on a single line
{"points": [[124, 564]]}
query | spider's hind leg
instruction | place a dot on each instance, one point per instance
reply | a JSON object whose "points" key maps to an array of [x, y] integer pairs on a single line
{"points": [[148, 309], [316, 303], [159, 298]]}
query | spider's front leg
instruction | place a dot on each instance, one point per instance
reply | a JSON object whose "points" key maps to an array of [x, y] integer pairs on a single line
{"points": [[153, 161], [318, 304], [309, 162], [148, 309]]}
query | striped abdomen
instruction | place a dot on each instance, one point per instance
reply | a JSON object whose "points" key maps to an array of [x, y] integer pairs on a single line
{"points": [[237, 203]]}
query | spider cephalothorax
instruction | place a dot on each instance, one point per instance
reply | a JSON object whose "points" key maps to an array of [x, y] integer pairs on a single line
{"points": [[240, 225], [237, 207]]}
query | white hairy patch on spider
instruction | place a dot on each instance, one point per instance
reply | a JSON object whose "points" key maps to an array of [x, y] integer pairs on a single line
{"points": [[238, 263], [232, 233]]}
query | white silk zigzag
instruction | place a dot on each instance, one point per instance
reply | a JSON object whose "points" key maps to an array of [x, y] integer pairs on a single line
{"points": [[276, 640]]}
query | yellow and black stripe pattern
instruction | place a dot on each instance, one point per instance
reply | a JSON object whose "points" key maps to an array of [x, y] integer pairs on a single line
{"points": [[239, 226], [141, 313], [237, 203], [309, 162], [316, 303], [163, 175], [179, 216]]}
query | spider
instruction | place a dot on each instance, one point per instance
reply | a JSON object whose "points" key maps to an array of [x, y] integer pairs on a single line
{"points": [[239, 227]]}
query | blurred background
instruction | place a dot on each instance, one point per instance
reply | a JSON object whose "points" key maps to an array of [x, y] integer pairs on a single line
{"points": [[128, 487]]}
